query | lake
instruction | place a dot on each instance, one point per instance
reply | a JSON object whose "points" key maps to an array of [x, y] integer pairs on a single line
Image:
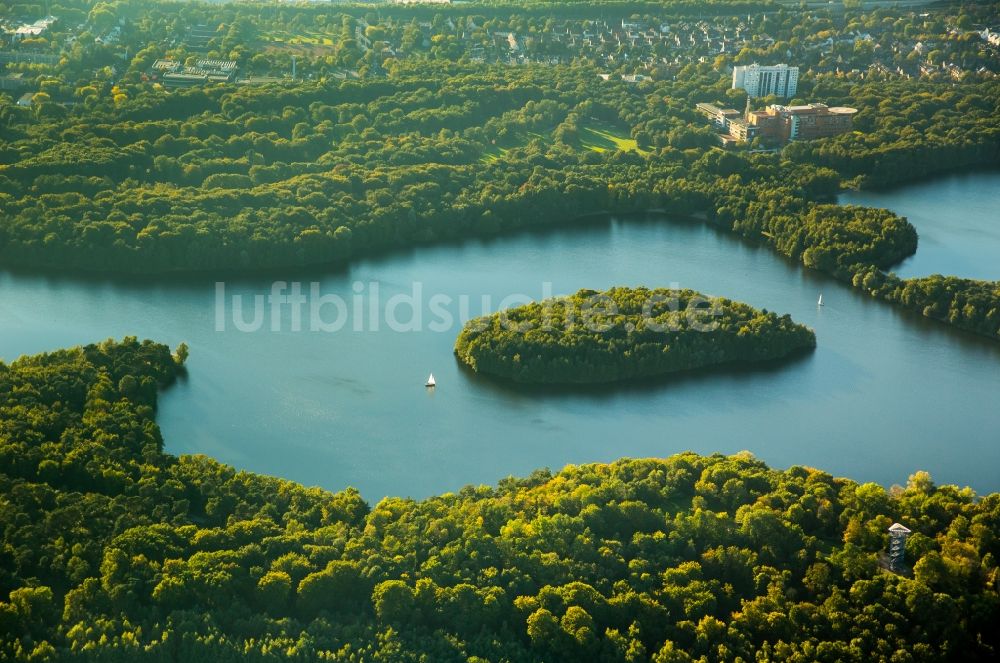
{"points": [[885, 393], [957, 219]]}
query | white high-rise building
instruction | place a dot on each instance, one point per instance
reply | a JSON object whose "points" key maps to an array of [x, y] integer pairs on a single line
{"points": [[758, 81]]}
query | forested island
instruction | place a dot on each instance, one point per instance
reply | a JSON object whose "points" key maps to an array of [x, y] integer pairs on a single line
{"points": [[411, 126], [166, 138], [624, 334], [116, 551]]}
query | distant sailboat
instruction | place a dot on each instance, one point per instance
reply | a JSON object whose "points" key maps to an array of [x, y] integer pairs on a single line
{"points": [[820, 302], [430, 381]]}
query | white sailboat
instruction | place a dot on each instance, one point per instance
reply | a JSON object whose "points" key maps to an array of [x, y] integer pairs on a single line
{"points": [[430, 381], [820, 302]]}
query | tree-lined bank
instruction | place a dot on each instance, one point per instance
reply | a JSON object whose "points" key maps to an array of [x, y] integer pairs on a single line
{"points": [[624, 334], [115, 551]]}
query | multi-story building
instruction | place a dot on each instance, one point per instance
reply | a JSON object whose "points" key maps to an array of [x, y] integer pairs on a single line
{"points": [[174, 74], [720, 117], [780, 80], [814, 121], [780, 124], [767, 125], [741, 130]]}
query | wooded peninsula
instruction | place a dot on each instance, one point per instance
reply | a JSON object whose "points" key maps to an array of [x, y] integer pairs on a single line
{"points": [[423, 142], [165, 139], [624, 334], [113, 550]]}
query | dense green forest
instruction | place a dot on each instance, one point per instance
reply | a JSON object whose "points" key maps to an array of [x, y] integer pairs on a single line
{"points": [[417, 176], [115, 551], [258, 177], [623, 334], [417, 139], [966, 303], [419, 124]]}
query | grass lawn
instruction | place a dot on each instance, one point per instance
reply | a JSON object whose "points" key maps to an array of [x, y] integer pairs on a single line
{"points": [[596, 136], [494, 153], [601, 137]]}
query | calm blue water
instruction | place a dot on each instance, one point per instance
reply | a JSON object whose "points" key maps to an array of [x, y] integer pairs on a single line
{"points": [[886, 393], [957, 219]]}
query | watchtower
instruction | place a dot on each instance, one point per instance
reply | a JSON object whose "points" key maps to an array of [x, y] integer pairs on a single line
{"points": [[897, 546]]}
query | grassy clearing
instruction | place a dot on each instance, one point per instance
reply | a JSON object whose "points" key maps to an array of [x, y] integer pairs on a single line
{"points": [[494, 153], [601, 137], [595, 136]]}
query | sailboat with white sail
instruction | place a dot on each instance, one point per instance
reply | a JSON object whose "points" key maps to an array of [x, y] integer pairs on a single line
{"points": [[431, 382]]}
